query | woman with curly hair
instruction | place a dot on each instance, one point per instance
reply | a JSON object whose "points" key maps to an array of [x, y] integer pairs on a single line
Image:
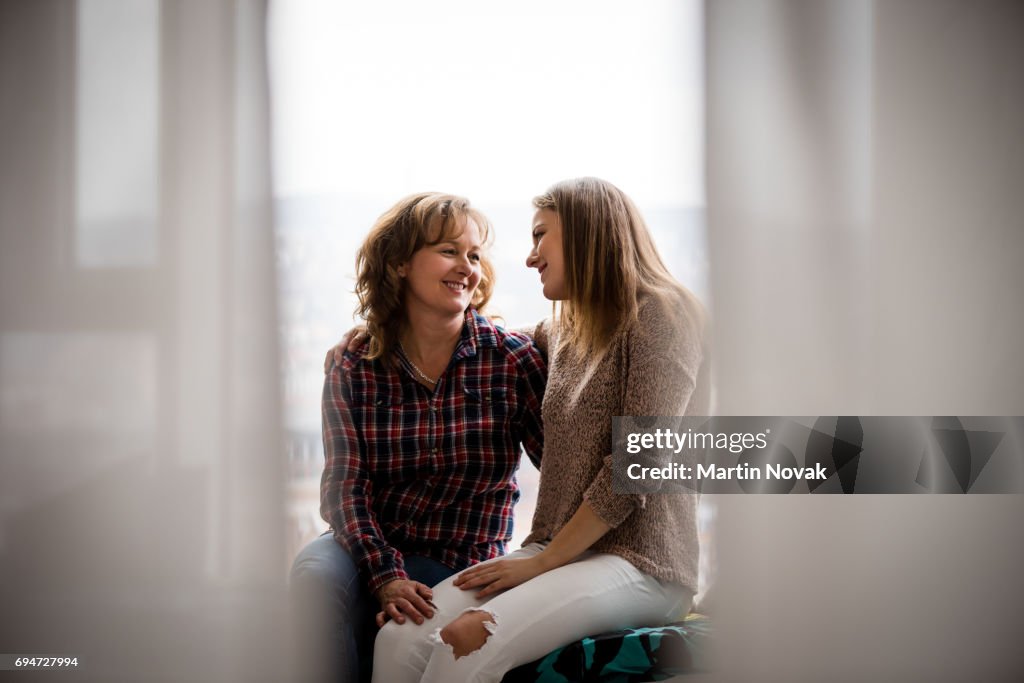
{"points": [[423, 421]]}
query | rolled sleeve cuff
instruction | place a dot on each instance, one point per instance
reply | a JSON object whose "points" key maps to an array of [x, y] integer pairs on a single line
{"points": [[612, 508], [381, 576]]}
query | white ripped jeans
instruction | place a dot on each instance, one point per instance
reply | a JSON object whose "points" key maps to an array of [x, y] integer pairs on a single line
{"points": [[596, 593]]}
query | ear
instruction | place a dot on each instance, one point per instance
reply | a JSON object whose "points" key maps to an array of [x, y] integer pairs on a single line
{"points": [[402, 269]]}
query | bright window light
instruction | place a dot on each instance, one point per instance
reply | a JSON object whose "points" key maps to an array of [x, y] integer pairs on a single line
{"points": [[375, 101]]}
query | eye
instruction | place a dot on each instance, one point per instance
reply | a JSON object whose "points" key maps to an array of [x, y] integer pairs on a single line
{"points": [[448, 250], [475, 257]]}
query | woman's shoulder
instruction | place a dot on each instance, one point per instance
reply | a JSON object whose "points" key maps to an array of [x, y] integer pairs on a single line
{"points": [[355, 366], [517, 344], [673, 307], [353, 358], [678, 316]]}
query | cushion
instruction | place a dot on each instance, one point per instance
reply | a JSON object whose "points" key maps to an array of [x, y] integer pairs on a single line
{"points": [[629, 655]]}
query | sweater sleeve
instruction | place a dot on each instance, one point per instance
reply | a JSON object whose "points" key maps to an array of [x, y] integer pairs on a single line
{"points": [[531, 381], [663, 354]]}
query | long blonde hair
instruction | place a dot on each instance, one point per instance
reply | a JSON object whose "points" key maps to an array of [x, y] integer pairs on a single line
{"points": [[419, 220], [610, 261]]}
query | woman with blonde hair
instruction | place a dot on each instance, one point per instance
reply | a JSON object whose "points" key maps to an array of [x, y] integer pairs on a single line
{"points": [[422, 423], [626, 339]]}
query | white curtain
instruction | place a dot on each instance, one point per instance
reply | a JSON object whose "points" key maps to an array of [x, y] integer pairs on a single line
{"points": [[865, 168], [864, 172], [141, 484]]}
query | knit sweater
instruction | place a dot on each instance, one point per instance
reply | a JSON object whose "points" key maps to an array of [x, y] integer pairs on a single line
{"points": [[657, 366]]}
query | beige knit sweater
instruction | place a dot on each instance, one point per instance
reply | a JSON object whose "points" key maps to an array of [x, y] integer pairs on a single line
{"points": [[658, 366]]}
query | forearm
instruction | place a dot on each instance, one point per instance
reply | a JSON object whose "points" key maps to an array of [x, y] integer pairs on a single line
{"points": [[582, 531], [356, 528]]}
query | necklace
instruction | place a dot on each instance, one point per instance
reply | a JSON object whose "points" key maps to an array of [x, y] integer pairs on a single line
{"points": [[419, 372]]}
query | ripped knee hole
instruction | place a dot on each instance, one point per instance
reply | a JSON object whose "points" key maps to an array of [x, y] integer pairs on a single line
{"points": [[468, 633]]}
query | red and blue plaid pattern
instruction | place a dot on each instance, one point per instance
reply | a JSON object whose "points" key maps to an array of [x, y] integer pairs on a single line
{"points": [[427, 473]]}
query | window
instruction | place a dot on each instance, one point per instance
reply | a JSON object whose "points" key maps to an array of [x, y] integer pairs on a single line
{"points": [[372, 102]]}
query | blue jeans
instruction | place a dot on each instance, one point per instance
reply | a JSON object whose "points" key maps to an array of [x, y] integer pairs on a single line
{"points": [[334, 611]]}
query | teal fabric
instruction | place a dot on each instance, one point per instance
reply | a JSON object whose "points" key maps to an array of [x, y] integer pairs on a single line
{"points": [[627, 656]]}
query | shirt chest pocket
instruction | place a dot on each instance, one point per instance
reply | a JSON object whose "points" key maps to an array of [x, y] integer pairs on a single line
{"points": [[387, 432], [369, 402], [486, 457], [486, 414]]}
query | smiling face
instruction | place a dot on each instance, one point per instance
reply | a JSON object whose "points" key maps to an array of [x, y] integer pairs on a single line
{"points": [[441, 278], [547, 255]]}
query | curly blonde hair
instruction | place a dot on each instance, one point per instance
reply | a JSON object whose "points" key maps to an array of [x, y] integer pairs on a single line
{"points": [[420, 220]]}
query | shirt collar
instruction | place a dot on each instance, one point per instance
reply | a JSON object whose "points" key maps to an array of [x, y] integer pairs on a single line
{"points": [[478, 332]]}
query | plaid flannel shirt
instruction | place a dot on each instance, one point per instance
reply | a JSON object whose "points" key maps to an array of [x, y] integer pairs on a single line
{"points": [[427, 473]]}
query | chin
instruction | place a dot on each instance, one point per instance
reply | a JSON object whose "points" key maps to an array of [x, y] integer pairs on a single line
{"points": [[550, 295]]}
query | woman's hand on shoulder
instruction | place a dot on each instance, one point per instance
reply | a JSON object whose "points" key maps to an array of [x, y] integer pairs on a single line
{"points": [[500, 574], [403, 598], [350, 341]]}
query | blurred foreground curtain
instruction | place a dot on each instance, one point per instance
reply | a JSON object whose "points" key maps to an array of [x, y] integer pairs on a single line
{"points": [[141, 478], [866, 229]]}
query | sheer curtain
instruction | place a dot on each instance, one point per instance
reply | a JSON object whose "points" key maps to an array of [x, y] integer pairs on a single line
{"points": [[141, 484], [865, 166]]}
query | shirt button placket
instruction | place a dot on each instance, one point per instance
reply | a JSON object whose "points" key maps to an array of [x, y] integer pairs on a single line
{"points": [[434, 436]]}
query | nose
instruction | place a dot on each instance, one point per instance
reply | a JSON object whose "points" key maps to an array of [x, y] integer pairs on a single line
{"points": [[464, 266], [531, 258]]}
